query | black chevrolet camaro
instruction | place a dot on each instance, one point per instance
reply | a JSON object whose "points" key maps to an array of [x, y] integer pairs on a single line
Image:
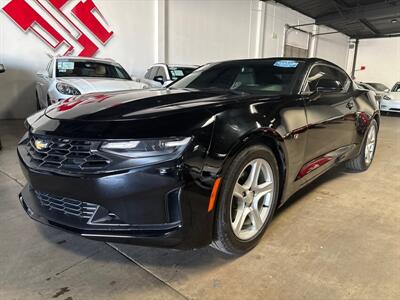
{"points": [[206, 161]]}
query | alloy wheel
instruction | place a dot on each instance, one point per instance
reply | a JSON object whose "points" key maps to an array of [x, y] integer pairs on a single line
{"points": [[370, 145], [251, 199]]}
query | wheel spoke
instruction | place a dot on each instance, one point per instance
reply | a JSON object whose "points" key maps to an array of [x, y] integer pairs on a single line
{"points": [[263, 188], [239, 191], [255, 218], [257, 172], [254, 174], [241, 215], [370, 145], [247, 214]]}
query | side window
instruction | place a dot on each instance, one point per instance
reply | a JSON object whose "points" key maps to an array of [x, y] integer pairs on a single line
{"points": [[343, 78], [161, 72], [153, 72], [319, 72], [396, 88]]}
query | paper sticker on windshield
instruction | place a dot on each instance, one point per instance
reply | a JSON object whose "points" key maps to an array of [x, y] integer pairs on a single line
{"points": [[286, 64], [63, 66]]}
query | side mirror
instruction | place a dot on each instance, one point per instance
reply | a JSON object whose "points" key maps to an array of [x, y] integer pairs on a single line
{"points": [[387, 91], [328, 86], [159, 79], [2, 68], [42, 74]]}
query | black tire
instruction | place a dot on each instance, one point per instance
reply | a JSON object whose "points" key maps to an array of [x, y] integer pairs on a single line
{"points": [[359, 163], [225, 239]]}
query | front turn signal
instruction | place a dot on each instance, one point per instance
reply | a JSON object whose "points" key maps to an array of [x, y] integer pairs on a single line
{"points": [[214, 194]]}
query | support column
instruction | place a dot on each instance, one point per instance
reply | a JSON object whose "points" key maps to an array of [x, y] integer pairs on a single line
{"points": [[312, 51], [256, 29], [161, 31], [353, 69]]}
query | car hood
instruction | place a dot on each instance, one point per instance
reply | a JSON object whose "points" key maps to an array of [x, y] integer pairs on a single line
{"points": [[394, 95], [139, 104], [89, 84]]}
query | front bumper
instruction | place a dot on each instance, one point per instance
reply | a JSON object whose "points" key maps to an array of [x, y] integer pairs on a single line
{"points": [[163, 235], [153, 208]]}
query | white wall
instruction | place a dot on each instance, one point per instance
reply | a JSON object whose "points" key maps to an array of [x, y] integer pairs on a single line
{"points": [[174, 31], [213, 30], [381, 58], [332, 47], [207, 30]]}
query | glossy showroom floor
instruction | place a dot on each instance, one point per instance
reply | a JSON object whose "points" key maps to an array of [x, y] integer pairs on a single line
{"points": [[339, 238]]}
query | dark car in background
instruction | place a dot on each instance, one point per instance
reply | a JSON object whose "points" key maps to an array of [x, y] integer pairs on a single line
{"points": [[206, 161]]}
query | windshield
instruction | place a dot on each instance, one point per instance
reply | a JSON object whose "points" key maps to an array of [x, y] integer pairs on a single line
{"points": [[396, 87], [378, 86], [179, 72], [254, 77], [87, 68]]}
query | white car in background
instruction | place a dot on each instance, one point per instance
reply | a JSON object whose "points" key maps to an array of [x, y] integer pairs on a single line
{"points": [[159, 75], [391, 101], [68, 76]]}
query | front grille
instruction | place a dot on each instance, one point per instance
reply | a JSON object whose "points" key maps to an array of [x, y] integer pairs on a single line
{"points": [[67, 206], [66, 154]]}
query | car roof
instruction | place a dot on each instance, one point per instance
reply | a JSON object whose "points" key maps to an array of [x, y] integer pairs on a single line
{"points": [[310, 60], [175, 65], [85, 58], [183, 66], [307, 61]]}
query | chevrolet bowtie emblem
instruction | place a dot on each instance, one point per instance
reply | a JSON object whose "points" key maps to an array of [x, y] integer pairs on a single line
{"points": [[41, 145]]}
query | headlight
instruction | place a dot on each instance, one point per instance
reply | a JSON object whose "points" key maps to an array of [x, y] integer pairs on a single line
{"points": [[147, 148], [386, 97], [67, 89]]}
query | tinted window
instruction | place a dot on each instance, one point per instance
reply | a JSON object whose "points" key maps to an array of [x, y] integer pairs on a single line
{"points": [[263, 77], [82, 68], [325, 72]]}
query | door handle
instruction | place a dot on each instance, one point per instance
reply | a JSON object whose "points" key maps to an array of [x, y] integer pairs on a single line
{"points": [[350, 104]]}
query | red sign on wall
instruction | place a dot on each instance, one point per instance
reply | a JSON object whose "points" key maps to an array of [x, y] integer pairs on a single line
{"points": [[37, 16]]}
